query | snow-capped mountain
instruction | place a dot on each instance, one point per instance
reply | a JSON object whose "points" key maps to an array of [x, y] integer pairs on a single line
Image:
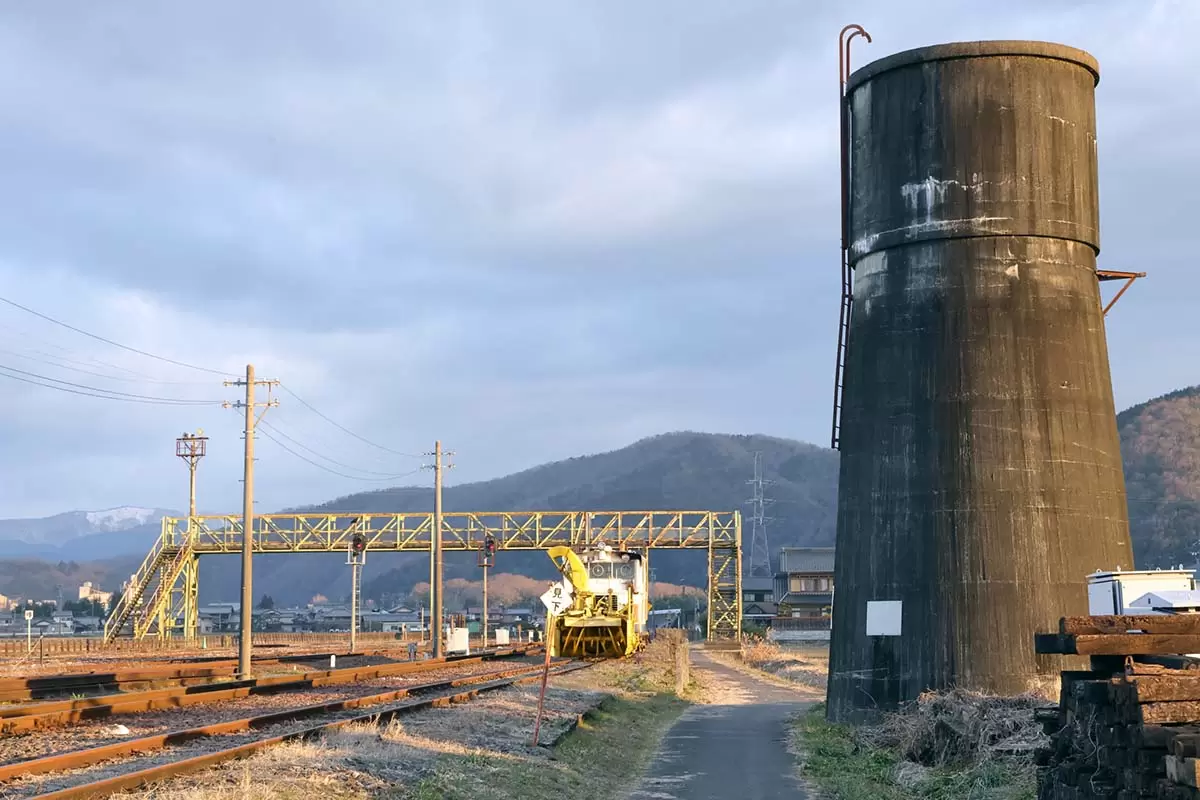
{"points": [[82, 534], [123, 518]]}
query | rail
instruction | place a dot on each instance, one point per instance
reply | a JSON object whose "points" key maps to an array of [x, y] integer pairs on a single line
{"points": [[394, 703]]}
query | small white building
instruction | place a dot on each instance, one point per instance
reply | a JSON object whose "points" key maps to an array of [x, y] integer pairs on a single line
{"points": [[1115, 592]]}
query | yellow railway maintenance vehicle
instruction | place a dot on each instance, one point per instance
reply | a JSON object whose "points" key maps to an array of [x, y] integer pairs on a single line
{"points": [[604, 602]]}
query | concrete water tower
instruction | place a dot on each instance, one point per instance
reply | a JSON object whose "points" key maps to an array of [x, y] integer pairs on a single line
{"points": [[981, 471]]}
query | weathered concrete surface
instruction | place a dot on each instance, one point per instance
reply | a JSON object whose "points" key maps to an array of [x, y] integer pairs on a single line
{"points": [[738, 747], [981, 473]]}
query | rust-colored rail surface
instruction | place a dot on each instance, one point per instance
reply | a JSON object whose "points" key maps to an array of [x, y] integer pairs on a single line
{"points": [[33, 716], [146, 677], [104, 787]]}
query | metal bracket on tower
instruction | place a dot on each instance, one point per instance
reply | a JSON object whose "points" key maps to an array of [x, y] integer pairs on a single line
{"points": [[1104, 275]]}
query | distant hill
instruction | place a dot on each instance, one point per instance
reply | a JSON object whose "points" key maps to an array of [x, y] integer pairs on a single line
{"points": [[1160, 444], [32, 578], [687, 470], [1160, 447], [81, 534]]}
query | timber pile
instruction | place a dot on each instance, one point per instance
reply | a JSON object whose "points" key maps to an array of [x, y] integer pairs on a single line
{"points": [[1126, 729]]}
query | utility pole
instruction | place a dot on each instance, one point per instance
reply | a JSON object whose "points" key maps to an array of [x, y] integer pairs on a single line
{"points": [[760, 554], [245, 632], [435, 550]]}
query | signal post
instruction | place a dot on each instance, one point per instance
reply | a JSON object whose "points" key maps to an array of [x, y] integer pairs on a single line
{"points": [[487, 558], [356, 556]]}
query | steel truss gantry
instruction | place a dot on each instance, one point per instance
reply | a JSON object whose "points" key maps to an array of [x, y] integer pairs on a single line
{"points": [[160, 599]]}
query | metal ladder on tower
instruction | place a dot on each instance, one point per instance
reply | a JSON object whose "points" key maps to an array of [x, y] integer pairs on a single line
{"points": [[171, 565], [156, 576], [839, 371], [138, 584], [844, 121]]}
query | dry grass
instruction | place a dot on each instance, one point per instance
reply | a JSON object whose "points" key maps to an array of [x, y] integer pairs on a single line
{"points": [[944, 746], [804, 664], [958, 727]]}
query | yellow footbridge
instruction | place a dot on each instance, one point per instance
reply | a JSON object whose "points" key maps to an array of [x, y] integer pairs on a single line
{"points": [[161, 598]]}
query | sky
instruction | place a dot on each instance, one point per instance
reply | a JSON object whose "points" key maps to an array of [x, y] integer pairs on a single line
{"points": [[532, 230]]}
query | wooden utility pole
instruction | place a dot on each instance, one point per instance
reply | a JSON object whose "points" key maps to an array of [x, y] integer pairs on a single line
{"points": [[245, 631], [435, 549]]}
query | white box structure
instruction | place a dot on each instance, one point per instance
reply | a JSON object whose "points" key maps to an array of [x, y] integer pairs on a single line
{"points": [[1114, 592], [459, 641]]}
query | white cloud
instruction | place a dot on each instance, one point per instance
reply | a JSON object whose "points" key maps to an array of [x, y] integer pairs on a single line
{"points": [[531, 232]]}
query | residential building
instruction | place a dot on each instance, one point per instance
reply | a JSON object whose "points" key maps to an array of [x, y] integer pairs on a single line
{"points": [[758, 600], [804, 582], [221, 617]]}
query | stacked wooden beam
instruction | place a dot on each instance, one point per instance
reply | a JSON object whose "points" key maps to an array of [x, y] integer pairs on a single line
{"points": [[1125, 729]]}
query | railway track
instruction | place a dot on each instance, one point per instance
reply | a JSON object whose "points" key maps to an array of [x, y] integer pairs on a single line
{"points": [[149, 759], [34, 716], [145, 677]]}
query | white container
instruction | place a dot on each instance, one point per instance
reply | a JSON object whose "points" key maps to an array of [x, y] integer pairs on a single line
{"points": [[459, 641], [501, 635], [1114, 592]]}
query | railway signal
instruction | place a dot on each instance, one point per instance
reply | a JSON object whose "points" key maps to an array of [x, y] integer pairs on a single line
{"points": [[487, 558], [356, 556]]}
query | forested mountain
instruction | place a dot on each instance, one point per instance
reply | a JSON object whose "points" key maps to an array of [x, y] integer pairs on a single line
{"points": [[1160, 447]]}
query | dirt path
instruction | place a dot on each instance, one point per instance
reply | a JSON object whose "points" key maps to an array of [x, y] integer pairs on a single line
{"points": [[736, 747]]}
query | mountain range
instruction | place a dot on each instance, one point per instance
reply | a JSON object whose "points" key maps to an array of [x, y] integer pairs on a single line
{"points": [[82, 534], [1160, 443]]}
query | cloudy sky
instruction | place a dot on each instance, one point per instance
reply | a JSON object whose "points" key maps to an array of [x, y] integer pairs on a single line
{"points": [[530, 229]]}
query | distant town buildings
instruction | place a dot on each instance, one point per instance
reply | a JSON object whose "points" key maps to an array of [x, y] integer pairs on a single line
{"points": [[93, 593]]}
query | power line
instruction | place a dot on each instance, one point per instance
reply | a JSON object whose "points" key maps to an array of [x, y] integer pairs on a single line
{"points": [[98, 338], [342, 428], [92, 391], [287, 449], [91, 360], [303, 446], [67, 366], [174, 400]]}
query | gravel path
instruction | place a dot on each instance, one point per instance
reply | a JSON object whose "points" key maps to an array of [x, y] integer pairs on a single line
{"points": [[92, 733]]}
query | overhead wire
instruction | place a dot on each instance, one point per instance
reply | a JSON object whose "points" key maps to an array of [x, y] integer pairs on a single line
{"points": [[287, 449], [93, 391], [67, 366], [107, 341], [303, 446], [344, 429], [91, 360]]}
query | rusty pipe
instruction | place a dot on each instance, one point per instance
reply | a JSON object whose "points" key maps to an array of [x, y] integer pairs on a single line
{"points": [[844, 121]]}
